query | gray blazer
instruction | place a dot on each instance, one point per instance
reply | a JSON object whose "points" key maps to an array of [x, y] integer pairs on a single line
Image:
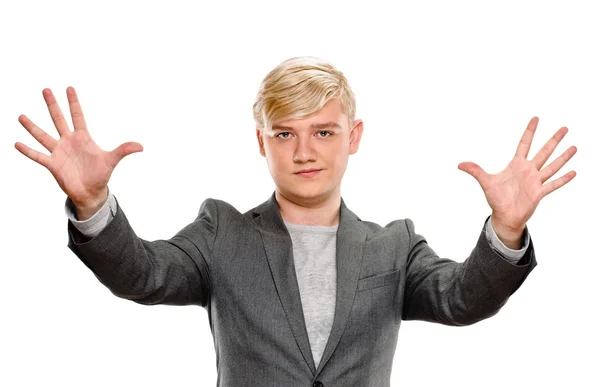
{"points": [[241, 269]]}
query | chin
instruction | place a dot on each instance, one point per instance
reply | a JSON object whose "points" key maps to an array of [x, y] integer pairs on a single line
{"points": [[307, 194]]}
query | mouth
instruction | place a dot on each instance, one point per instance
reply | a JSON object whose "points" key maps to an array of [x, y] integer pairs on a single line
{"points": [[308, 172]]}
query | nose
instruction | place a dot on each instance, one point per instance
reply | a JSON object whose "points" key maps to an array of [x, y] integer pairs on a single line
{"points": [[304, 151]]}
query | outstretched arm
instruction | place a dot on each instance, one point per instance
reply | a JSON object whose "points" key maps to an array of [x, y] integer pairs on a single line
{"points": [[173, 271], [441, 290], [170, 271], [445, 291]]}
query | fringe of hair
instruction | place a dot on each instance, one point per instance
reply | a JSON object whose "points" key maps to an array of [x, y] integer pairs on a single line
{"points": [[298, 88]]}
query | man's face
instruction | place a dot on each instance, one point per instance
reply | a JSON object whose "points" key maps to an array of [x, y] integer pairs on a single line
{"points": [[319, 144]]}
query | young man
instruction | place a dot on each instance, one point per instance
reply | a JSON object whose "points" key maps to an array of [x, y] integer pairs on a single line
{"points": [[299, 290]]}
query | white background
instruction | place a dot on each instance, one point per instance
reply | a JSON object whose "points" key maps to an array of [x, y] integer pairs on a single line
{"points": [[437, 83]]}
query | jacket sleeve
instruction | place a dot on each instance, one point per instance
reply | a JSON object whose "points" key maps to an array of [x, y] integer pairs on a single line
{"points": [[444, 291], [173, 271]]}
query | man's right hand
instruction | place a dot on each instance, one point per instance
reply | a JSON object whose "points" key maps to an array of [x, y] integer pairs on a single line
{"points": [[80, 167]]}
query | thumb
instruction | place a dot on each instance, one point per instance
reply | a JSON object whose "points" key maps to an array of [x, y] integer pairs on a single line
{"points": [[474, 170], [123, 150]]}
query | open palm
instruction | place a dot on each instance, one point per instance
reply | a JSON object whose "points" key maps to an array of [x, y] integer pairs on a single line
{"points": [[515, 192], [80, 167]]}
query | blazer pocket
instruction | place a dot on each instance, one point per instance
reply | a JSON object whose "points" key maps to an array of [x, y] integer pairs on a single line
{"points": [[378, 280]]}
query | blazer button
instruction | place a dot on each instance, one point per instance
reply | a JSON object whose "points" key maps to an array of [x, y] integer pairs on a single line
{"points": [[317, 384]]}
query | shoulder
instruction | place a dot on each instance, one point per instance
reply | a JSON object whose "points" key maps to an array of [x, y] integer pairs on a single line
{"points": [[399, 228], [218, 211], [212, 205]]}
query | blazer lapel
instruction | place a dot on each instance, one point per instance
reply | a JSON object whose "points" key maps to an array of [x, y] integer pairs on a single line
{"points": [[351, 237], [278, 248], [350, 243]]}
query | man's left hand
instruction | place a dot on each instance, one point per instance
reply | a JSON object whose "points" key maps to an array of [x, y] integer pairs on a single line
{"points": [[515, 193]]}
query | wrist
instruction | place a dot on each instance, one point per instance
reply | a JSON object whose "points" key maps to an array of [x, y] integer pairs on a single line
{"points": [[87, 209], [510, 236]]}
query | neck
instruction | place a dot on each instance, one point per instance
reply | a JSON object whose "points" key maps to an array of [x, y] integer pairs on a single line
{"points": [[325, 212]]}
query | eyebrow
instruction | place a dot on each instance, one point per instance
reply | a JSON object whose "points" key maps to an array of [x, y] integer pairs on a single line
{"points": [[325, 125]]}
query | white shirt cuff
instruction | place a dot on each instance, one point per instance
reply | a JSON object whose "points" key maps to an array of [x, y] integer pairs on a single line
{"points": [[94, 225], [511, 255]]}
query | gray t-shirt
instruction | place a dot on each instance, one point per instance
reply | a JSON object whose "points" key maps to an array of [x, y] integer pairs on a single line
{"points": [[314, 260]]}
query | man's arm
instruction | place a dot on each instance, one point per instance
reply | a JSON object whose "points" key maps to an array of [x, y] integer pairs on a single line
{"points": [[442, 290], [439, 289], [173, 271]]}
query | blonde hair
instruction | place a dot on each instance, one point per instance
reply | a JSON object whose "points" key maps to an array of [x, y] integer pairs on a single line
{"points": [[298, 88]]}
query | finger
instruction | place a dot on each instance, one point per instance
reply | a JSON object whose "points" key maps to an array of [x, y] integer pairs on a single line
{"points": [[556, 184], [527, 139], [542, 156], [56, 113], [34, 155], [124, 150], [76, 112], [474, 170], [43, 138], [557, 164]]}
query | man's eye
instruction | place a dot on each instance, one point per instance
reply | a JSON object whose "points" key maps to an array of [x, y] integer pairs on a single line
{"points": [[325, 133], [283, 134]]}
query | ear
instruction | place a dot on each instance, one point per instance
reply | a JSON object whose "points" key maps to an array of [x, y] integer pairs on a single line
{"points": [[261, 144], [355, 135]]}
